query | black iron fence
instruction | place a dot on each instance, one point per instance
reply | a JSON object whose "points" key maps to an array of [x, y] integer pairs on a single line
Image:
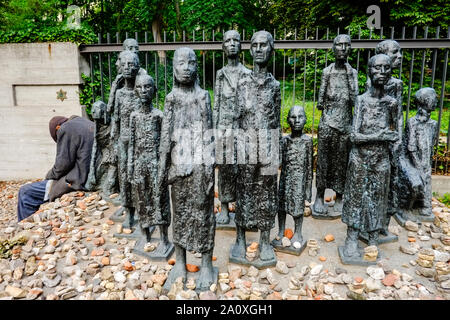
{"points": [[297, 63]]}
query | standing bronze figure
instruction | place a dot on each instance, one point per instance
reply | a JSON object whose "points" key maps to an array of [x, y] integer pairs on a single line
{"points": [[130, 45], [295, 181], [422, 133], [143, 161], [187, 164], [126, 101], [225, 119], [367, 185], [337, 94], [102, 171], [393, 88], [259, 103]]}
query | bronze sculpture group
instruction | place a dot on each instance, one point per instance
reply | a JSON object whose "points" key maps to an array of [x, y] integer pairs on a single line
{"points": [[362, 155]]}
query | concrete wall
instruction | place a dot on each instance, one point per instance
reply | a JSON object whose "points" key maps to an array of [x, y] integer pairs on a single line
{"points": [[440, 184], [30, 76]]}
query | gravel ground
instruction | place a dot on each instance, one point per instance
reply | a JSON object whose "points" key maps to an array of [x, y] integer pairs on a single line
{"points": [[70, 252]]}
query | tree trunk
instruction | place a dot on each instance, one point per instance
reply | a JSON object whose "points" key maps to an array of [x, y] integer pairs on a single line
{"points": [[156, 30], [178, 20]]}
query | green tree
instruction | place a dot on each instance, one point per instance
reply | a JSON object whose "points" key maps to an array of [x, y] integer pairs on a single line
{"points": [[39, 21], [218, 14], [420, 13], [331, 14]]}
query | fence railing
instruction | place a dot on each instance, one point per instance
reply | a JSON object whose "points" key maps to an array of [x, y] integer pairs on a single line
{"points": [[297, 63]]}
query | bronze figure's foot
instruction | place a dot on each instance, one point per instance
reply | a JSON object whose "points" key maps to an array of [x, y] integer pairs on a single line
{"points": [[319, 207], [178, 270], [162, 248], [118, 215], [338, 205], [425, 212], [205, 278], [127, 224], [238, 250], [351, 250], [297, 238], [266, 252], [130, 220], [223, 217], [278, 242]]}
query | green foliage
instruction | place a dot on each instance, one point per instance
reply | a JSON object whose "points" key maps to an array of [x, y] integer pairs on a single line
{"points": [[302, 14], [441, 158], [90, 89], [420, 13], [40, 21], [445, 199], [44, 20], [47, 34], [220, 14], [18, 14], [133, 15], [440, 150]]}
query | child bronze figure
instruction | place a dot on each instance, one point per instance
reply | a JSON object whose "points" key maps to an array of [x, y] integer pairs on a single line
{"points": [[295, 180]]}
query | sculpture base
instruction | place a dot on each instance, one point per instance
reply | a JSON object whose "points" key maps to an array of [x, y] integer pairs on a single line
{"points": [[136, 234], [356, 261], [194, 275], [400, 219], [364, 237], [153, 255], [257, 263], [115, 201], [429, 218], [290, 250], [119, 215], [330, 215], [409, 215], [231, 225], [127, 224]]}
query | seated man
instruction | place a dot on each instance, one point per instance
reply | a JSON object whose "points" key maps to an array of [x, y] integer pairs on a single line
{"points": [[74, 137]]}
